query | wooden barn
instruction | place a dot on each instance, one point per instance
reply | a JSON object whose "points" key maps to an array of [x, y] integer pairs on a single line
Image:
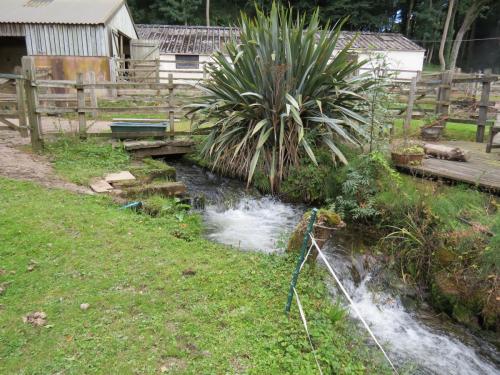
{"points": [[65, 36], [184, 49]]}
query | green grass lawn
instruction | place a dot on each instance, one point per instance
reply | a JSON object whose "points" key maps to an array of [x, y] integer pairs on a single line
{"points": [[162, 298], [453, 131]]}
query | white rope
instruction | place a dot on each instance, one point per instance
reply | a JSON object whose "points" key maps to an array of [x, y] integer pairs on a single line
{"points": [[303, 317], [352, 303], [305, 258]]}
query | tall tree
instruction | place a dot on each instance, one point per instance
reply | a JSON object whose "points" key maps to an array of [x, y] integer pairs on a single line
{"points": [[471, 14], [207, 12], [442, 61]]}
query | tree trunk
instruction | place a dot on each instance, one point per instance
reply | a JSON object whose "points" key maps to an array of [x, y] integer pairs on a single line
{"points": [[207, 11], [469, 18], [442, 61], [411, 4], [470, 46], [451, 33], [446, 152]]}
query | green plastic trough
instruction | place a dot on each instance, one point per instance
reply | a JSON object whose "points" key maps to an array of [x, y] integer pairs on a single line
{"points": [[137, 130], [129, 127]]}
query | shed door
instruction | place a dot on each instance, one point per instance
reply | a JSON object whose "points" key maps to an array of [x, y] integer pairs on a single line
{"points": [[144, 63], [141, 49]]}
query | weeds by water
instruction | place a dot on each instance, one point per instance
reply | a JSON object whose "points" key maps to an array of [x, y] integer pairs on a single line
{"points": [[78, 161]]}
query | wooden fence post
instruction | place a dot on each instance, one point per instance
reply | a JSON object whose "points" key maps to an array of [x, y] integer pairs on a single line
{"points": [[409, 109], [80, 99], [21, 105], [483, 108], [157, 70], [93, 97], [443, 103], [29, 74], [171, 118]]}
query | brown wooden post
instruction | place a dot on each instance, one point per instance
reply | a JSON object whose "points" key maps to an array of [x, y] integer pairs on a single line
{"points": [[21, 105], [29, 75], [409, 109], [157, 71], [171, 118], [80, 99], [93, 97], [443, 102], [483, 108]]}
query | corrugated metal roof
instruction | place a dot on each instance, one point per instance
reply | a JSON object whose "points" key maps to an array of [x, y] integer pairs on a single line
{"points": [[198, 40], [58, 11], [201, 40]]}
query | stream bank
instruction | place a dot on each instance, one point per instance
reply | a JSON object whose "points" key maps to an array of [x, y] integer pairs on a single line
{"points": [[415, 337]]}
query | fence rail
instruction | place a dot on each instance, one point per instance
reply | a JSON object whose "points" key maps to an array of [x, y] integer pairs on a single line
{"points": [[36, 97], [460, 97]]}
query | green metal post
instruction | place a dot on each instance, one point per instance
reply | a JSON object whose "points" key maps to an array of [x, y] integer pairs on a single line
{"points": [[302, 255]]}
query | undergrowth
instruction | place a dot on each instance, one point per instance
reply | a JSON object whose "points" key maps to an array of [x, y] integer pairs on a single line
{"points": [[79, 161]]}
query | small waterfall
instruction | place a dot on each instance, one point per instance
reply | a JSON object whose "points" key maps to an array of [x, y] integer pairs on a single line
{"points": [[427, 348], [252, 224], [250, 221]]}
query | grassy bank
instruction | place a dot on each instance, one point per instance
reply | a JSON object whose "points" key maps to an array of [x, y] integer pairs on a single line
{"points": [[161, 298], [445, 240], [453, 131]]}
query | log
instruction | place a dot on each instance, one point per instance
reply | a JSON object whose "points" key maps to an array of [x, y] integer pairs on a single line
{"points": [[446, 152]]}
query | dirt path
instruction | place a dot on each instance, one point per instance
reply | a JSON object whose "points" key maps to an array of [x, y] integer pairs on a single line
{"points": [[20, 165]]}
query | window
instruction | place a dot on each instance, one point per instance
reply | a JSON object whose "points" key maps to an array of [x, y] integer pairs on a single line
{"points": [[187, 61]]}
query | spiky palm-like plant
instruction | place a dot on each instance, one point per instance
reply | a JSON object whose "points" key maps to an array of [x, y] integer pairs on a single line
{"points": [[277, 90]]}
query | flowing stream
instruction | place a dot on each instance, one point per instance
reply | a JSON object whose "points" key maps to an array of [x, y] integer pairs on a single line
{"points": [[417, 341]]}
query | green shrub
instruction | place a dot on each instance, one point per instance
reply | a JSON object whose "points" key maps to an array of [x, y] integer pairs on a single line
{"points": [[273, 88], [356, 200]]}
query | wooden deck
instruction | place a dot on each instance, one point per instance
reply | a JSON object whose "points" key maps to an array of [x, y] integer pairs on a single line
{"points": [[482, 170], [143, 149]]}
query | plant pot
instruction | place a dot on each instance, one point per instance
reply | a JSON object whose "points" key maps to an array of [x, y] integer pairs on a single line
{"points": [[406, 159], [431, 133]]}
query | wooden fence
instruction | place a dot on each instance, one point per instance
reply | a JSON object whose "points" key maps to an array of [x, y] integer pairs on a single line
{"points": [[460, 98], [158, 70], [34, 99]]}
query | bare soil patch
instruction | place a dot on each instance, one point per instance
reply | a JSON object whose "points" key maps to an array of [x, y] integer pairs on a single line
{"points": [[21, 165]]}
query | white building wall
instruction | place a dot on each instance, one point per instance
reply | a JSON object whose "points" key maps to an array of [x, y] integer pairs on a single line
{"points": [[122, 21], [187, 76], [401, 64]]}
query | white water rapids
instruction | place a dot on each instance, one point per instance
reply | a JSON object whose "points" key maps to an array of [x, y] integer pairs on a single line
{"points": [[259, 223]]}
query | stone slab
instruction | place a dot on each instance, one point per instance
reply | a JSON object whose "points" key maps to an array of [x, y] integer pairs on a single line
{"points": [[119, 177], [101, 186]]}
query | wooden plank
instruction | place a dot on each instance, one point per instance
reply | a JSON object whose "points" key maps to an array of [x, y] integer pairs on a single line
{"points": [[483, 111], [21, 105], [482, 170], [80, 95], [29, 72], [171, 119], [164, 150], [92, 93], [9, 124], [409, 108], [138, 145]]}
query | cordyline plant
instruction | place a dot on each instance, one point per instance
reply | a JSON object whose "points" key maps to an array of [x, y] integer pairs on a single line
{"points": [[276, 92]]}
